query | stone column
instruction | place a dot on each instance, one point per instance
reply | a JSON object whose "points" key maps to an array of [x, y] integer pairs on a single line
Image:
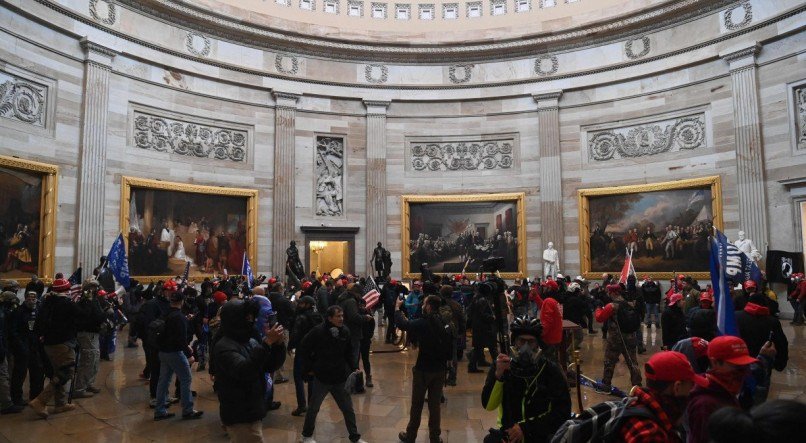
{"points": [[283, 221], [551, 194], [92, 166], [376, 178], [749, 144]]}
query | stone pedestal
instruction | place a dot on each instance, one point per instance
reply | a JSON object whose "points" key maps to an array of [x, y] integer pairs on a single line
{"points": [[92, 166], [749, 144], [551, 204], [284, 161], [376, 178]]}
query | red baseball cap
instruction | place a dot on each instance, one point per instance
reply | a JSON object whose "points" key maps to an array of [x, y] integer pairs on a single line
{"points": [[750, 284], [671, 366], [219, 296], [170, 285], [306, 285], [392, 282], [614, 288], [730, 349], [700, 346], [706, 296], [674, 298], [551, 285]]}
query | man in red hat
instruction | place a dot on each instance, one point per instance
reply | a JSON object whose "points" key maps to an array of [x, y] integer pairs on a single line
{"points": [[797, 297], [552, 320], [673, 321], [56, 327], [730, 364], [617, 342], [701, 321], [659, 406]]}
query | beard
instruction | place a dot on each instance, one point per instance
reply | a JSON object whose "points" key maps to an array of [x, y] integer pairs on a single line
{"points": [[674, 406]]}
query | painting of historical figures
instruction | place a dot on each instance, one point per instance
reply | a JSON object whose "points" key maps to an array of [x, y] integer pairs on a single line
{"points": [[463, 234], [171, 225], [664, 226], [27, 202], [329, 176]]}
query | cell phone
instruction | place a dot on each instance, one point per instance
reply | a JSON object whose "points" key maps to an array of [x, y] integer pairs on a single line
{"points": [[400, 297], [272, 319]]}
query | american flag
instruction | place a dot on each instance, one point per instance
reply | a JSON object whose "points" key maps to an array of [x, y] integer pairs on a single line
{"points": [[75, 282], [372, 295]]}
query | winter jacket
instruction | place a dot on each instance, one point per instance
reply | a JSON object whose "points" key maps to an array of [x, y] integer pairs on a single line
{"points": [[539, 403], [575, 309], [799, 291], [303, 323], [482, 321], [755, 325], [552, 321], [321, 296], [21, 333], [241, 362], [353, 319], [326, 351], [673, 326], [702, 323], [151, 310], [57, 319], [413, 304], [651, 292], [94, 314], [703, 402], [283, 308], [175, 337], [430, 358]]}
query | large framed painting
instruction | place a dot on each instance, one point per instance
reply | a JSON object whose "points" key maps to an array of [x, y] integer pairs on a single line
{"points": [[464, 233], [168, 225], [27, 218], [665, 226]]}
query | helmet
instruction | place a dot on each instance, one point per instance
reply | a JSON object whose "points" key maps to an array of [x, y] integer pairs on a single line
{"points": [[525, 325]]}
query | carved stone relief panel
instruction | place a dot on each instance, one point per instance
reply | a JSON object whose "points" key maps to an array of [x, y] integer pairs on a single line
{"points": [[189, 136], [737, 17], [103, 11], [329, 166], [462, 153], [647, 137], [23, 100], [797, 115]]}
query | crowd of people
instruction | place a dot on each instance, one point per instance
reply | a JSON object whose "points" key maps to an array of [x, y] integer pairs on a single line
{"points": [[700, 386]]}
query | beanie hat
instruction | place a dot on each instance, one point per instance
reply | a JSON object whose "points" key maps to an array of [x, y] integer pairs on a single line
{"points": [[219, 296], [60, 285]]}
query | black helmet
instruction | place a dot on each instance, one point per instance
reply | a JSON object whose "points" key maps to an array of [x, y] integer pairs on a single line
{"points": [[525, 325]]}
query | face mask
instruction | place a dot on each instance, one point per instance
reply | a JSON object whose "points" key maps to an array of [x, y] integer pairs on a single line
{"points": [[526, 354]]}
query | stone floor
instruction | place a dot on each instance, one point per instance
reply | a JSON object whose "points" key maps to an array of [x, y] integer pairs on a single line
{"points": [[120, 413]]}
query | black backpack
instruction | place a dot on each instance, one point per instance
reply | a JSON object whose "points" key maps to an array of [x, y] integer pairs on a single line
{"points": [[155, 332], [600, 423], [627, 318]]}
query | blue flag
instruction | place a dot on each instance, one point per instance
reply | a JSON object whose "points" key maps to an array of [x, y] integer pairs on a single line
{"points": [[118, 262], [247, 270], [729, 267]]}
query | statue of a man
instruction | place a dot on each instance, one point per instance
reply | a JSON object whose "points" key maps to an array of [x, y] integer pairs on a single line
{"points": [[551, 261], [293, 264], [746, 245], [378, 261]]}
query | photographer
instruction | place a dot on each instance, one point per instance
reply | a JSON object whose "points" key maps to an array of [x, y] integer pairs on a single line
{"points": [[482, 317], [528, 390]]}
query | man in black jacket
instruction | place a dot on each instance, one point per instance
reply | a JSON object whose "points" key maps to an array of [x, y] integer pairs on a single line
{"points": [[241, 362], [529, 391], [175, 357], [652, 295], [8, 302], [56, 327], [482, 322], [306, 319], [756, 326], [353, 319], [428, 375], [575, 309], [27, 351], [327, 353], [673, 321], [389, 295], [88, 339], [155, 308]]}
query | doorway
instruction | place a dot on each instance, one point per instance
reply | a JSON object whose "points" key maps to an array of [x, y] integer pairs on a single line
{"points": [[328, 256]]}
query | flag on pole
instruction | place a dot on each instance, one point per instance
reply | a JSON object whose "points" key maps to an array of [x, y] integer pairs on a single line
{"points": [[729, 266], [627, 269], [186, 274], [371, 294], [75, 284], [118, 263], [247, 270]]}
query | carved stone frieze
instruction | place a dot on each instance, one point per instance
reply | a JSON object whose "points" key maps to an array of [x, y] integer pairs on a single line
{"points": [[329, 164], [103, 11], [457, 156], [800, 117], [466, 73], [630, 50], [730, 25], [23, 100], [376, 73], [683, 133], [197, 44], [171, 135]]}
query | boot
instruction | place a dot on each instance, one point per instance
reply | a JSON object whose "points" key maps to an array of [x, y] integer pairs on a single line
{"points": [[39, 408], [369, 382], [63, 408]]}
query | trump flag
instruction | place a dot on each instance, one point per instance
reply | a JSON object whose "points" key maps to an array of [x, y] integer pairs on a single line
{"points": [[729, 267], [118, 263]]}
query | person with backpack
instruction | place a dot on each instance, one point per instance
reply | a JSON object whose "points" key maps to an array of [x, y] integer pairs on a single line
{"points": [[454, 313], [153, 310], [622, 322], [437, 344], [175, 357], [482, 321], [529, 391], [353, 319], [88, 338], [306, 319], [241, 362], [673, 321], [652, 295]]}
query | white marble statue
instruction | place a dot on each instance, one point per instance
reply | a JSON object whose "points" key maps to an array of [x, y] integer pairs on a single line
{"points": [[746, 245], [551, 261]]}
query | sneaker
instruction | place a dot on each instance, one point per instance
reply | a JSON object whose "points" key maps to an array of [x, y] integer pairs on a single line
{"points": [[63, 408], [308, 440], [39, 407], [369, 382], [603, 389], [165, 416], [172, 400], [13, 409], [195, 415], [299, 412], [93, 389], [152, 403], [83, 394]]}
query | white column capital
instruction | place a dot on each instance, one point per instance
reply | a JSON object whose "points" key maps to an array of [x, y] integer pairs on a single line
{"points": [[741, 56], [96, 52], [286, 99], [377, 107], [548, 100]]}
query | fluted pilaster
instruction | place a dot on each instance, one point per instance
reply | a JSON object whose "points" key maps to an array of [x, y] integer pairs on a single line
{"points": [[376, 177], [92, 169], [749, 144], [283, 221], [551, 207]]}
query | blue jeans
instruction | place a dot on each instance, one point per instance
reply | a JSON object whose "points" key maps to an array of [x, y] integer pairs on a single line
{"points": [[652, 308], [170, 363]]}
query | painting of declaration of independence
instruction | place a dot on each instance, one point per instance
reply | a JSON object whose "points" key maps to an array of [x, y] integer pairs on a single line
{"points": [[20, 216], [168, 229], [666, 230], [461, 235]]}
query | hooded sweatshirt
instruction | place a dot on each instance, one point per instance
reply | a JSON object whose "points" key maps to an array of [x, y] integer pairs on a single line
{"points": [[552, 321], [755, 325]]}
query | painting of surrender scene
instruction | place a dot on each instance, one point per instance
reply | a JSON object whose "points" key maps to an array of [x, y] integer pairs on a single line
{"points": [[169, 228], [665, 226]]}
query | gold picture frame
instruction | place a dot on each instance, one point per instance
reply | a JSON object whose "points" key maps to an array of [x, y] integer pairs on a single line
{"points": [[251, 195], [47, 215], [713, 183], [516, 197]]}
